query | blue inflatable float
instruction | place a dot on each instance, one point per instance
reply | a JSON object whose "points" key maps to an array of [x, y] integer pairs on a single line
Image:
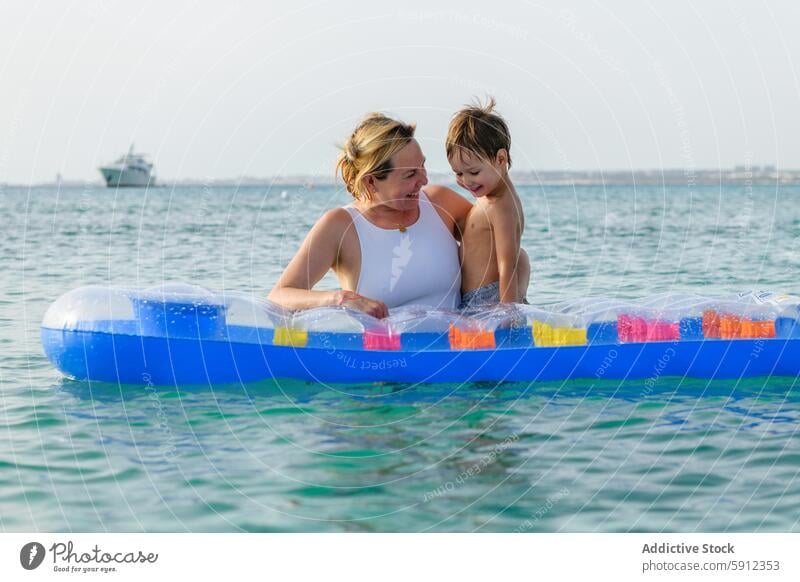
{"points": [[182, 334]]}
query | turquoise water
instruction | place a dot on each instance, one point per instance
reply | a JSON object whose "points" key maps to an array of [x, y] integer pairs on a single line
{"points": [[677, 455]]}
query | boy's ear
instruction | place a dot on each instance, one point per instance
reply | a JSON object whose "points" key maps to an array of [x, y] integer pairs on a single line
{"points": [[502, 156]]}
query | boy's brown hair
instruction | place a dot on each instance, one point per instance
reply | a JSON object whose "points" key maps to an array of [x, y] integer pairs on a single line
{"points": [[478, 130]]}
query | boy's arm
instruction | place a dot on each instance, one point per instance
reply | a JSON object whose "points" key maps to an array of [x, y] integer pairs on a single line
{"points": [[506, 246]]}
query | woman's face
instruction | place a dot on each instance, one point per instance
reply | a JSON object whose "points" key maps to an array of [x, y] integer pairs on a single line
{"points": [[399, 190]]}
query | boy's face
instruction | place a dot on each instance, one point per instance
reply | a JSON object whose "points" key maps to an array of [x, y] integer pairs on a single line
{"points": [[478, 175]]}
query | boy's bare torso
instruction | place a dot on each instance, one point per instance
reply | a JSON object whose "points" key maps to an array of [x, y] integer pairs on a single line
{"points": [[478, 250]]}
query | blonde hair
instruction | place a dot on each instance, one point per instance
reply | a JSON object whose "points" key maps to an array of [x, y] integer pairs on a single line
{"points": [[478, 130], [369, 150]]}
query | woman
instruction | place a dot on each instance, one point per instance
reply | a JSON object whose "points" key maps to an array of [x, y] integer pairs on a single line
{"points": [[395, 244]]}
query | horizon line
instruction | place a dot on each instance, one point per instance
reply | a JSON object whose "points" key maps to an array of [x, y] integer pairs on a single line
{"points": [[739, 173]]}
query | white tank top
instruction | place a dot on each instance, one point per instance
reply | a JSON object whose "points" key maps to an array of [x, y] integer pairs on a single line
{"points": [[417, 267]]}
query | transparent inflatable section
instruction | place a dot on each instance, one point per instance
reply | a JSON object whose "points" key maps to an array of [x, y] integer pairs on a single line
{"points": [[251, 320], [503, 325], [93, 308], [328, 328], [554, 328], [178, 310], [168, 311], [177, 293], [682, 316], [422, 329]]}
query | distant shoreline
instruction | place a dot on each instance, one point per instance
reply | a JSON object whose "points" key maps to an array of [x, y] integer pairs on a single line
{"points": [[741, 175]]}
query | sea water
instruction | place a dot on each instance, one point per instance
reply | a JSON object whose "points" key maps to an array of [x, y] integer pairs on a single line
{"points": [[660, 454]]}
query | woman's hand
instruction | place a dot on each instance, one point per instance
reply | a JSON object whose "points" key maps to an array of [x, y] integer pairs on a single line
{"points": [[353, 300]]}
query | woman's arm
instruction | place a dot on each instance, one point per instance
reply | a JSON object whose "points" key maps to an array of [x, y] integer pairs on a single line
{"points": [[452, 207], [316, 256], [319, 253]]}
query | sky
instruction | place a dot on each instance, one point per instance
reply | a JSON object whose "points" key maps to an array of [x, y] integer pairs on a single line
{"points": [[217, 90]]}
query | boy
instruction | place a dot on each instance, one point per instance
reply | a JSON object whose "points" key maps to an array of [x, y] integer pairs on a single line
{"points": [[493, 267]]}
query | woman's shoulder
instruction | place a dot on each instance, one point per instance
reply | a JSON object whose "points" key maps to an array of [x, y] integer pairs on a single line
{"points": [[337, 215], [334, 223]]}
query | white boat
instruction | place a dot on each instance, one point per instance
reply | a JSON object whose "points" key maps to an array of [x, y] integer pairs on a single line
{"points": [[129, 170]]}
